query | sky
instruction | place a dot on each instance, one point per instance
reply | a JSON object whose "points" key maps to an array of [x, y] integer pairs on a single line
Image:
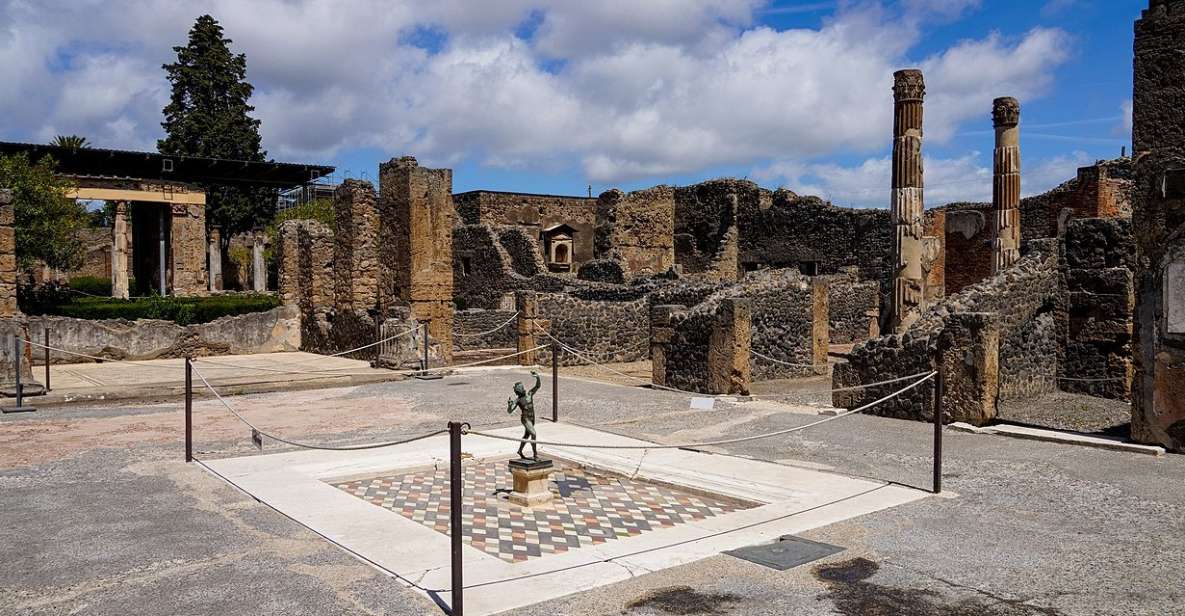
{"points": [[557, 96]]}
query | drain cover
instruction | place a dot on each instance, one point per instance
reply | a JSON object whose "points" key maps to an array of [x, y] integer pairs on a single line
{"points": [[787, 553]]}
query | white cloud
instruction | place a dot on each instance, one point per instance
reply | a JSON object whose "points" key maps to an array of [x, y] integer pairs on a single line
{"points": [[624, 89], [947, 180], [962, 81], [1125, 125]]}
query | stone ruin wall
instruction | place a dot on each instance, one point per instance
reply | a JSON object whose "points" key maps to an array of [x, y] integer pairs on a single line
{"points": [[306, 280], [532, 214], [789, 323], [853, 307], [355, 246], [1103, 190], [469, 325], [606, 330], [188, 244], [1158, 139], [1023, 300], [416, 244], [1098, 261], [703, 349], [637, 229]]}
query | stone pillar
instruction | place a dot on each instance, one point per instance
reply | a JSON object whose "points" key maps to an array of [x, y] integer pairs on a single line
{"points": [[416, 244], [288, 258], [1006, 184], [188, 246], [529, 327], [258, 270], [729, 370], [215, 252], [820, 324], [8, 269], [1158, 221], [119, 251], [969, 361], [907, 204], [355, 246], [661, 334]]}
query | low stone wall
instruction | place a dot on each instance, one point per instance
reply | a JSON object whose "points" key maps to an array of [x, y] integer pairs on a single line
{"points": [[1016, 299], [789, 323], [703, 349], [1098, 260], [853, 307], [608, 331], [469, 327], [273, 331]]}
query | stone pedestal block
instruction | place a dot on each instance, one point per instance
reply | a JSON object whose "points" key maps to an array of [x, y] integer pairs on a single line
{"points": [[969, 362], [532, 479]]}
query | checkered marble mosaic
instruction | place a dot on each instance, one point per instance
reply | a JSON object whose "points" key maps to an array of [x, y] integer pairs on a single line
{"points": [[589, 508]]}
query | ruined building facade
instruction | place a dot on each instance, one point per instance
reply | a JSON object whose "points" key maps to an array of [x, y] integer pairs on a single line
{"points": [[1158, 139]]}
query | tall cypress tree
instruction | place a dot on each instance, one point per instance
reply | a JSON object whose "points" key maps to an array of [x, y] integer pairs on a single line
{"points": [[209, 115]]}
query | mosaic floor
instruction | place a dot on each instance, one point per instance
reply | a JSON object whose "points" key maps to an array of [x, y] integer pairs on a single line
{"points": [[589, 508]]}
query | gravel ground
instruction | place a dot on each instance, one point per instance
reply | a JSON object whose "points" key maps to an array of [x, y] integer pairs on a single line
{"points": [[1075, 412], [100, 515]]}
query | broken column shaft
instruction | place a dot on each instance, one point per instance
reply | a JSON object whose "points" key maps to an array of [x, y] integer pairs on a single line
{"points": [[1006, 184], [907, 204]]}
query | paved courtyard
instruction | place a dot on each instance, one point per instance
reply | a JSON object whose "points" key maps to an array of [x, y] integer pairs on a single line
{"points": [[100, 515]]}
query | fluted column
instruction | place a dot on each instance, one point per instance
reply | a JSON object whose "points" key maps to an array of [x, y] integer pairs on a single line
{"points": [[119, 251], [1006, 184], [907, 203]]}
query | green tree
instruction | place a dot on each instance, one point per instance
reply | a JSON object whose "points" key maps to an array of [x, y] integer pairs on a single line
{"points": [[47, 222], [209, 115], [73, 142]]}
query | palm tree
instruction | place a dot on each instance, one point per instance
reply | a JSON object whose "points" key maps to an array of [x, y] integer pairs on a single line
{"points": [[73, 142]]}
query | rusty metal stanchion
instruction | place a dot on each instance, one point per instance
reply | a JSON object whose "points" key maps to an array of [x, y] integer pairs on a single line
{"points": [[46, 359], [456, 496], [188, 409], [18, 352], [555, 383], [938, 386]]}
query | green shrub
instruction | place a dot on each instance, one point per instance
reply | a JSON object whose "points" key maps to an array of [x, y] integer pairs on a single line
{"points": [[180, 310], [91, 285]]}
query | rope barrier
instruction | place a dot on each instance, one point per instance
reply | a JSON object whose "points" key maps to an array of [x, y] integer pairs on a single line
{"points": [[96, 357], [786, 363], [306, 445], [488, 332], [373, 344], [337, 372], [839, 389], [718, 442]]}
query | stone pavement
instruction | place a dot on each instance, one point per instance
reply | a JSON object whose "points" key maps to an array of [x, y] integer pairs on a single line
{"points": [[99, 515], [161, 379]]}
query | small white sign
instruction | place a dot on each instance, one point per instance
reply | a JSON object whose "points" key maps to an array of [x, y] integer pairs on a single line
{"points": [[703, 404]]}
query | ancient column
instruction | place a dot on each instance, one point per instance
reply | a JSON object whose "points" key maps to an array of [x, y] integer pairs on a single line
{"points": [[8, 269], [1006, 184], [907, 205], [1158, 222], [258, 271], [119, 251], [215, 259]]}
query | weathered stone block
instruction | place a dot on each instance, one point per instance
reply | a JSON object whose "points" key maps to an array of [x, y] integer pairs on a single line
{"points": [[969, 363]]}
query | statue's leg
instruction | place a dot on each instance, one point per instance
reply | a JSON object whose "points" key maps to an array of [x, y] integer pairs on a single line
{"points": [[530, 426], [523, 443]]}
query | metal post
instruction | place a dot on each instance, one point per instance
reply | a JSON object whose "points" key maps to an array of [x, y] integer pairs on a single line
{"points": [[938, 387], [20, 387], [456, 492], [188, 409], [378, 336], [555, 383], [424, 362], [46, 359], [18, 350]]}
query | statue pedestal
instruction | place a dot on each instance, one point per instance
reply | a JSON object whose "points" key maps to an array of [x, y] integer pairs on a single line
{"points": [[531, 482]]}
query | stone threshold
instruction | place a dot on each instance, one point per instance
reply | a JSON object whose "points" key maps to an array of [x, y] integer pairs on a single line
{"points": [[1060, 436]]}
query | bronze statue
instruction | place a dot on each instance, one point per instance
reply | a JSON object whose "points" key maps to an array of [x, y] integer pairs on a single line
{"points": [[525, 401]]}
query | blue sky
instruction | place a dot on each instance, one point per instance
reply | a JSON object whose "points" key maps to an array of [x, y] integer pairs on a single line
{"points": [[554, 96]]}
